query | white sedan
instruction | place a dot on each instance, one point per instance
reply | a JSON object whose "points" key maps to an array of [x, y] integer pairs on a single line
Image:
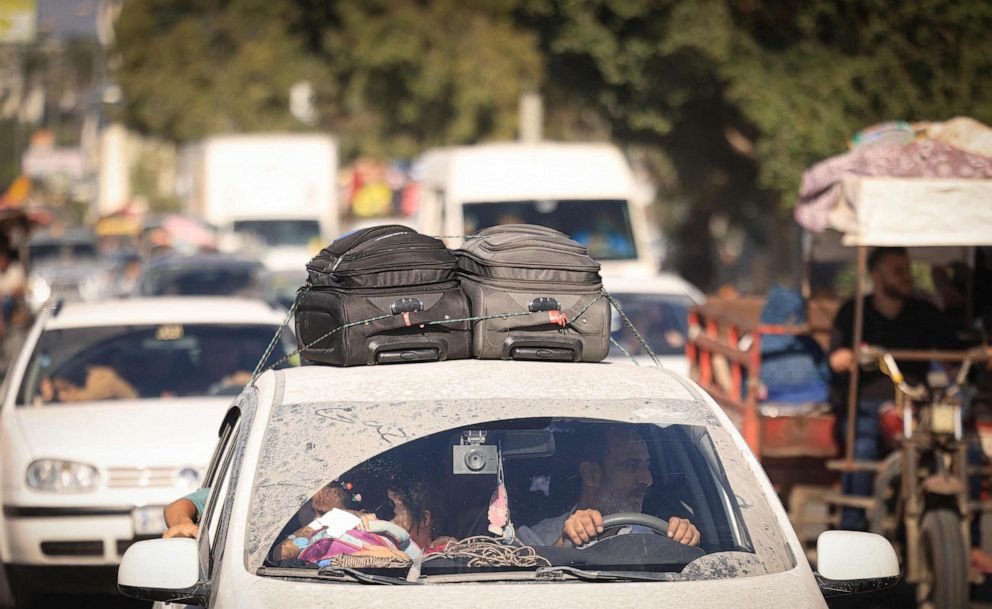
{"points": [[109, 413], [658, 305], [477, 472]]}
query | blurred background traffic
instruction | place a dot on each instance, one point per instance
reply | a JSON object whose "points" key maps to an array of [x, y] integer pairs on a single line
{"points": [[154, 150]]}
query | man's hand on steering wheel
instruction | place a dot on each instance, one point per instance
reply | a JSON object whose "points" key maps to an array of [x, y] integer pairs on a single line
{"points": [[584, 526], [683, 531]]}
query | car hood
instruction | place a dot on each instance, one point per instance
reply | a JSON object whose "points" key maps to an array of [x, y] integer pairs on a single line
{"points": [[124, 433], [788, 590]]}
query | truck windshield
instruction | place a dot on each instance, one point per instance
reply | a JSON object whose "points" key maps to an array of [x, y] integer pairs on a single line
{"points": [[276, 233], [603, 226]]}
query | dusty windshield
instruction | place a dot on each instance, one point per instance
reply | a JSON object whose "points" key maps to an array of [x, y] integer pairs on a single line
{"points": [[139, 362], [519, 492], [603, 226], [662, 319]]}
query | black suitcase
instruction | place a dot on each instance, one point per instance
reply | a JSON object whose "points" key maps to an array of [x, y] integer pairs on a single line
{"points": [[544, 287], [369, 297]]}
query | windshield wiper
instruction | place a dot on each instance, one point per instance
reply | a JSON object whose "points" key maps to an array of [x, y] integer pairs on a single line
{"points": [[335, 574], [557, 573], [362, 577]]}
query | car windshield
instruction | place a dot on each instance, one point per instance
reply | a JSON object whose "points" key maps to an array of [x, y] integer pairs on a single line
{"points": [[505, 488], [603, 226], [145, 362], [46, 253], [662, 319], [276, 233], [233, 280]]}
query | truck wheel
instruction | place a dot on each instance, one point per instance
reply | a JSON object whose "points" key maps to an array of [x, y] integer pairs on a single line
{"points": [[945, 562]]}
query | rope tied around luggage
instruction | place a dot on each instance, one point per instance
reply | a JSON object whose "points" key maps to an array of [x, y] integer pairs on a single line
{"points": [[567, 322]]}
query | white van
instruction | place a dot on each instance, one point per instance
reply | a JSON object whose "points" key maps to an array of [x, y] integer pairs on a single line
{"points": [[584, 190], [273, 194]]}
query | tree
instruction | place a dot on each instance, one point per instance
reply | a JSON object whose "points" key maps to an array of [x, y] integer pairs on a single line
{"points": [[414, 74], [742, 95], [191, 68]]}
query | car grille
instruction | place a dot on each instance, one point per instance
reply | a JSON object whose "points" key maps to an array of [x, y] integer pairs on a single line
{"points": [[72, 548], [141, 477]]}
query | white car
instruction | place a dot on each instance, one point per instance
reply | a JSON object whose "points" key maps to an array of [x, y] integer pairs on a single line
{"points": [[479, 455], [658, 305], [109, 413]]}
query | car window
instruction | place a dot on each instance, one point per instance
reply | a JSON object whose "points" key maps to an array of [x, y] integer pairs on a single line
{"points": [[517, 481], [279, 233], [662, 319], [603, 226], [44, 253], [206, 281], [147, 362]]}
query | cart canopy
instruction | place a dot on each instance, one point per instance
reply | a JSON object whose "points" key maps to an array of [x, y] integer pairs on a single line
{"points": [[925, 185]]}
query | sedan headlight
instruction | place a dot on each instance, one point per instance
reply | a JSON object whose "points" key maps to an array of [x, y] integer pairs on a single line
{"points": [[39, 291], [62, 476]]}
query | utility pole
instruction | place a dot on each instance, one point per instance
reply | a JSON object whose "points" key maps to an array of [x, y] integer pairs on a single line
{"points": [[531, 117]]}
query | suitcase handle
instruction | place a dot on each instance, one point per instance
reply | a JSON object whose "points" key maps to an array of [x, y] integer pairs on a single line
{"points": [[402, 349], [548, 348]]}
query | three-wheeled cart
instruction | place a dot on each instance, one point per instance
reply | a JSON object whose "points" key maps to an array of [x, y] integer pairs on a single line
{"points": [[921, 500]]}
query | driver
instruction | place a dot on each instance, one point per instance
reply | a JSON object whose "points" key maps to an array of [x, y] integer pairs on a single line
{"points": [[616, 476]]}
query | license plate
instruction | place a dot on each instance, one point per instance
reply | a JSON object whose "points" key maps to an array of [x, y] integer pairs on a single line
{"points": [[148, 520]]}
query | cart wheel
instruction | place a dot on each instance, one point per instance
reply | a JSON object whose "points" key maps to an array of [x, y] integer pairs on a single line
{"points": [[945, 562]]}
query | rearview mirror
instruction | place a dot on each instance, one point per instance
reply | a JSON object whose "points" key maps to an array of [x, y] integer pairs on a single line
{"points": [[166, 570], [850, 562]]}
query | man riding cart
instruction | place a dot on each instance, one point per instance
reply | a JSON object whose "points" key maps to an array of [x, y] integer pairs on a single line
{"points": [[907, 195]]}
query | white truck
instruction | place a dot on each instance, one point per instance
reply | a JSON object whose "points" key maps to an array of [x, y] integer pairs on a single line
{"points": [[586, 190], [272, 193]]}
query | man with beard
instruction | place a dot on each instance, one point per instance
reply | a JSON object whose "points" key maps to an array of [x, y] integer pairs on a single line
{"points": [[893, 319], [616, 476]]}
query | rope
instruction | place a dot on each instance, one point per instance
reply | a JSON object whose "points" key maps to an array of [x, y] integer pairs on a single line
{"points": [[426, 323], [482, 551], [275, 339], [624, 351], [603, 293], [630, 324]]}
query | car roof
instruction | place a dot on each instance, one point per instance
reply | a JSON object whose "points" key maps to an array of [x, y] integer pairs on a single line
{"points": [[483, 379], [660, 283], [171, 310]]}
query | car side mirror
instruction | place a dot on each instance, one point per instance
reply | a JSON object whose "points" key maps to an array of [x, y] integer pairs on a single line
{"points": [[166, 570], [849, 562]]}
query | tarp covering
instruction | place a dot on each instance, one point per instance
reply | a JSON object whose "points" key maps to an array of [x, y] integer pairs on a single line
{"points": [[924, 192]]}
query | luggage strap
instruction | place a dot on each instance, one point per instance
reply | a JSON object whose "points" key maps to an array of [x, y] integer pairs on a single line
{"points": [[402, 320]]}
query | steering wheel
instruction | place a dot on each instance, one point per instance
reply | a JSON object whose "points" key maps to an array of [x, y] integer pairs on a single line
{"points": [[626, 519]]}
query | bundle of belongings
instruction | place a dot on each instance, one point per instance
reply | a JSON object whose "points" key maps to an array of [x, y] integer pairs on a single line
{"points": [[388, 294]]}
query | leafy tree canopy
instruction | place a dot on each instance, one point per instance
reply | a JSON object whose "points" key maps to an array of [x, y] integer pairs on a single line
{"points": [[731, 98]]}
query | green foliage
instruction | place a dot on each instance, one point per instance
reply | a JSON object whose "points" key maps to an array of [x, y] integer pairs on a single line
{"points": [[735, 98], [418, 74], [198, 67]]}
